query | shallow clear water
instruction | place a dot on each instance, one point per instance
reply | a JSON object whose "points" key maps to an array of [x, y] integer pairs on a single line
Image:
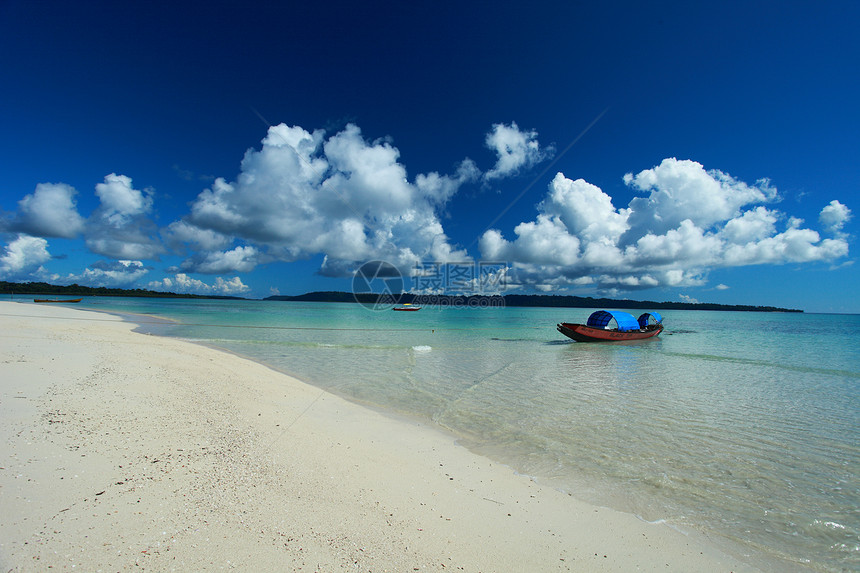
{"points": [[747, 424]]}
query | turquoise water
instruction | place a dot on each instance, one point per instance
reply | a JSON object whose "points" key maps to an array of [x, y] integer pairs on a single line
{"points": [[745, 424]]}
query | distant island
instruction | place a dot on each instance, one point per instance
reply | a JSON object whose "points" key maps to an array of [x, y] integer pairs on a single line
{"points": [[540, 300], [39, 288]]}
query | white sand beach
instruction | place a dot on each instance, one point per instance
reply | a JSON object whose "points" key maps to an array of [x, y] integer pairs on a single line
{"points": [[121, 450]]}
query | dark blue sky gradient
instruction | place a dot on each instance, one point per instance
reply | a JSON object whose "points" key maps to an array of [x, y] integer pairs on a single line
{"points": [[172, 94]]}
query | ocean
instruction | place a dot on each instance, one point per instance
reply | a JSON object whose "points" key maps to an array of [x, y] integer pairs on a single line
{"points": [[743, 424]]}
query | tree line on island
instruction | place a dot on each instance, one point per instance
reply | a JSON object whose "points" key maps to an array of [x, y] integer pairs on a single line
{"points": [[47, 289], [534, 300], [477, 301]]}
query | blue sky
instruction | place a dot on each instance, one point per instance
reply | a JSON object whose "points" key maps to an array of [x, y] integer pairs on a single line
{"points": [[663, 151]]}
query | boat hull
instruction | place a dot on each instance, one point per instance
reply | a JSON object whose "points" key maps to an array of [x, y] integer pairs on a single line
{"points": [[57, 300], [583, 333], [407, 309]]}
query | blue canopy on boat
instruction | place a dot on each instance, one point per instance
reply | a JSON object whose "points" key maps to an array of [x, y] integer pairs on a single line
{"points": [[644, 319], [601, 318]]}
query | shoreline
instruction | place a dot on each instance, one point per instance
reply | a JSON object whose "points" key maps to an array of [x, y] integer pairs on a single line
{"points": [[121, 449]]}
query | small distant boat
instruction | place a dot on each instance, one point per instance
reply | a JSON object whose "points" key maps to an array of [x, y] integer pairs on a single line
{"points": [[599, 327], [57, 300], [406, 307]]}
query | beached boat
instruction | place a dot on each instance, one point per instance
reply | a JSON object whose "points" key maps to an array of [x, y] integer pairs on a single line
{"points": [[599, 327], [57, 300]]}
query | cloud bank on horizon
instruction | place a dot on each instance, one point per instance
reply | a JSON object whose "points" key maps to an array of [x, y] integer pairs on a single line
{"points": [[302, 194]]}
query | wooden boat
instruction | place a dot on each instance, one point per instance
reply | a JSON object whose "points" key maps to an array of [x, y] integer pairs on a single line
{"points": [[57, 300], [599, 328]]}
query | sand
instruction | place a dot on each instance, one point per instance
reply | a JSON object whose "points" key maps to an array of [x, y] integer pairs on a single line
{"points": [[121, 450]]}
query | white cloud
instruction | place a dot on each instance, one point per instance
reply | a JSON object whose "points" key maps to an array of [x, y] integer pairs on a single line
{"points": [[350, 199], [24, 255], [344, 197], [238, 260], [367, 176], [107, 274], [180, 234], [440, 188], [299, 195], [233, 286], [585, 209], [636, 280], [545, 241], [793, 245], [834, 216], [120, 201], [684, 246], [680, 190], [182, 283], [134, 245], [50, 211], [752, 225], [516, 150], [119, 228], [692, 220]]}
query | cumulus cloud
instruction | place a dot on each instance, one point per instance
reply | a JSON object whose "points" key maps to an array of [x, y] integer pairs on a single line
{"points": [[107, 274], [350, 199], [50, 211], [182, 283], [690, 221], [687, 245], [302, 194], [120, 201], [544, 241], [22, 256], [181, 235], [679, 190], [120, 228], [440, 188], [585, 210], [834, 216], [793, 245], [516, 150], [753, 225], [239, 260]]}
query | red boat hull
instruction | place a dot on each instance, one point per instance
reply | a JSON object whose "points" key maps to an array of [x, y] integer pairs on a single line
{"points": [[583, 333]]}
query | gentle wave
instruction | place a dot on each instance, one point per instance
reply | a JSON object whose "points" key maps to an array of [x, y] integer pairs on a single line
{"points": [[779, 365]]}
